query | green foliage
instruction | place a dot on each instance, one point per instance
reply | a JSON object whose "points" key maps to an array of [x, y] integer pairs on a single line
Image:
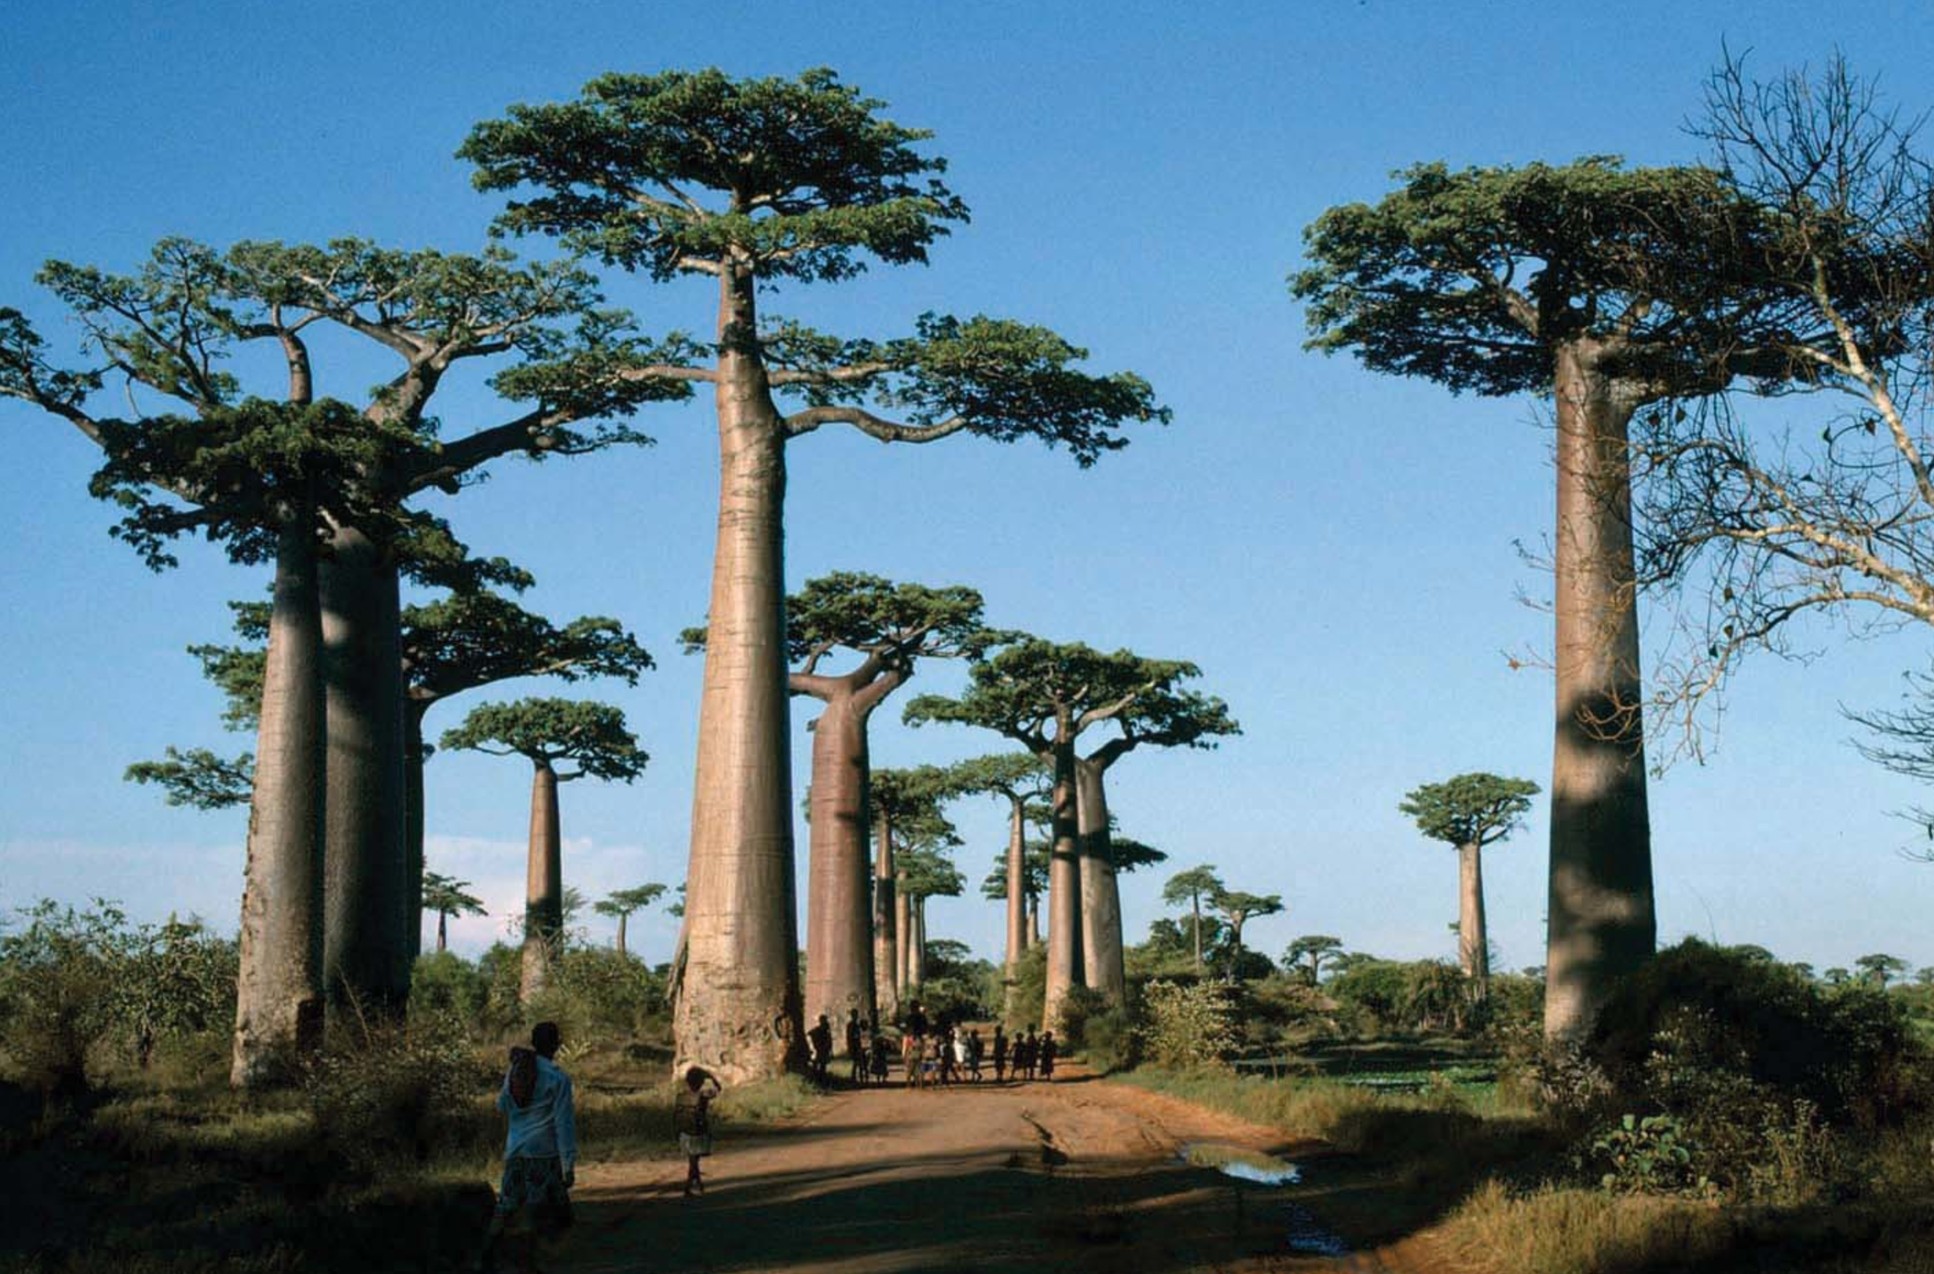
{"points": [[385, 1092], [898, 623], [1472, 277], [1404, 996], [73, 982], [548, 731], [198, 778], [445, 896], [1648, 1155], [445, 986], [1471, 809], [1021, 687], [477, 637], [1305, 955], [1189, 1025], [622, 902], [809, 175], [1029, 998], [1846, 1051]]}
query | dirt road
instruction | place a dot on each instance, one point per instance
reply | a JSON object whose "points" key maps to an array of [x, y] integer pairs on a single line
{"points": [[1066, 1178]]}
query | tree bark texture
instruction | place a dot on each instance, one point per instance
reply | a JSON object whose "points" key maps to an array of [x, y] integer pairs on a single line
{"points": [[917, 949], [1064, 887], [543, 886], [366, 946], [886, 927], [413, 712], [442, 931], [902, 937], [1102, 962], [278, 1000], [1601, 919], [1016, 898], [1033, 921], [622, 917], [738, 1008], [1473, 941], [839, 938]]}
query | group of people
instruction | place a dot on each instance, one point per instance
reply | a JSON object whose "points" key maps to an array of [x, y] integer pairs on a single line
{"points": [[938, 1050], [540, 1147]]}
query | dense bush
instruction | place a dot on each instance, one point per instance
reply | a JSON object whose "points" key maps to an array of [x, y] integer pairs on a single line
{"points": [[1188, 1025], [1394, 995], [1029, 1000], [1697, 1011], [386, 1091], [74, 984]]}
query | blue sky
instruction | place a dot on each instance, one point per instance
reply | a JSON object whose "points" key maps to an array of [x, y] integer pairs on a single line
{"points": [[1335, 549]]}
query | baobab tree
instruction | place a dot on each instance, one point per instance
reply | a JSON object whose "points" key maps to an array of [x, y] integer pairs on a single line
{"points": [[755, 182], [1022, 780], [1043, 696], [1191, 887], [589, 737], [1034, 883], [473, 637], [1236, 909], [1307, 953], [903, 806], [1609, 289], [445, 896], [1467, 813], [286, 475], [1160, 714], [622, 902], [890, 627], [925, 871]]}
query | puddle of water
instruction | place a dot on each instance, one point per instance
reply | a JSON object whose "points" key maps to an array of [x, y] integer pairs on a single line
{"points": [[1306, 1235]]}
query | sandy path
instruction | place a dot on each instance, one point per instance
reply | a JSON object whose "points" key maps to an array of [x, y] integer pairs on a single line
{"points": [[1051, 1179]]}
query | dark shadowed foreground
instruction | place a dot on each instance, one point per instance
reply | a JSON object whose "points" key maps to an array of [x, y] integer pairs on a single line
{"points": [[1075, 1176]]}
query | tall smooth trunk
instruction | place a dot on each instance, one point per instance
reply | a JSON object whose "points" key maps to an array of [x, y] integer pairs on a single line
{"points": [[413, 711], [738, 1011], [1033, 921], [1601, 920], [1064, 889], [1016, 899], [278, 994], [366, 945], [839, 939], [902, 937], [1102, 961], [886, 926], [917, 949], [1195, 905], [622, 917], [1473, 941], [543, 886], [442, 931]]}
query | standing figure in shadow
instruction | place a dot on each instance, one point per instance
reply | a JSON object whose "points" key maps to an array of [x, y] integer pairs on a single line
{"points": [[692, 1115]]}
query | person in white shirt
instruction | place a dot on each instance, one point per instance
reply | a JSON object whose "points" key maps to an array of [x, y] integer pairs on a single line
{"points": [[540, 1148]]}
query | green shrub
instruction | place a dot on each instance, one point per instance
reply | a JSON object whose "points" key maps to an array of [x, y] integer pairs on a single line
{"points": [[1026, 1005], [384, 1091], [1647, 1155], [1112, 1039], [1188, 1025], [59, 981], [1695, 1011], [444, 984]]}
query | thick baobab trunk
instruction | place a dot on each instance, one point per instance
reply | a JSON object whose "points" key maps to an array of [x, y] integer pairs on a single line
{"points": [[366, 945], [902, 936], [738, 1010], [442, 931], [1017, 907], [1033, 921], [886, 926], [278, 995], [413, 711], [1473, 942], [1064, 888], [1601, 919], [543, 886], [839, 939], [1101, 938], [622, 917]]}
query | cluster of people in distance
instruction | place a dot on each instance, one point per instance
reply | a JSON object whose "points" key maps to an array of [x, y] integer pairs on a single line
{"points": [[939, 1050]]}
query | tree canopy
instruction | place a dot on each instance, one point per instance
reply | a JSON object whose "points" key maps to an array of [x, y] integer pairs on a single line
{"points": [[1470, 809], [590, 735]]}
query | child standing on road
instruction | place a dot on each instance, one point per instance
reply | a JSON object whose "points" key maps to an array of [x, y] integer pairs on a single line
{"points": [[692, 1114]]}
